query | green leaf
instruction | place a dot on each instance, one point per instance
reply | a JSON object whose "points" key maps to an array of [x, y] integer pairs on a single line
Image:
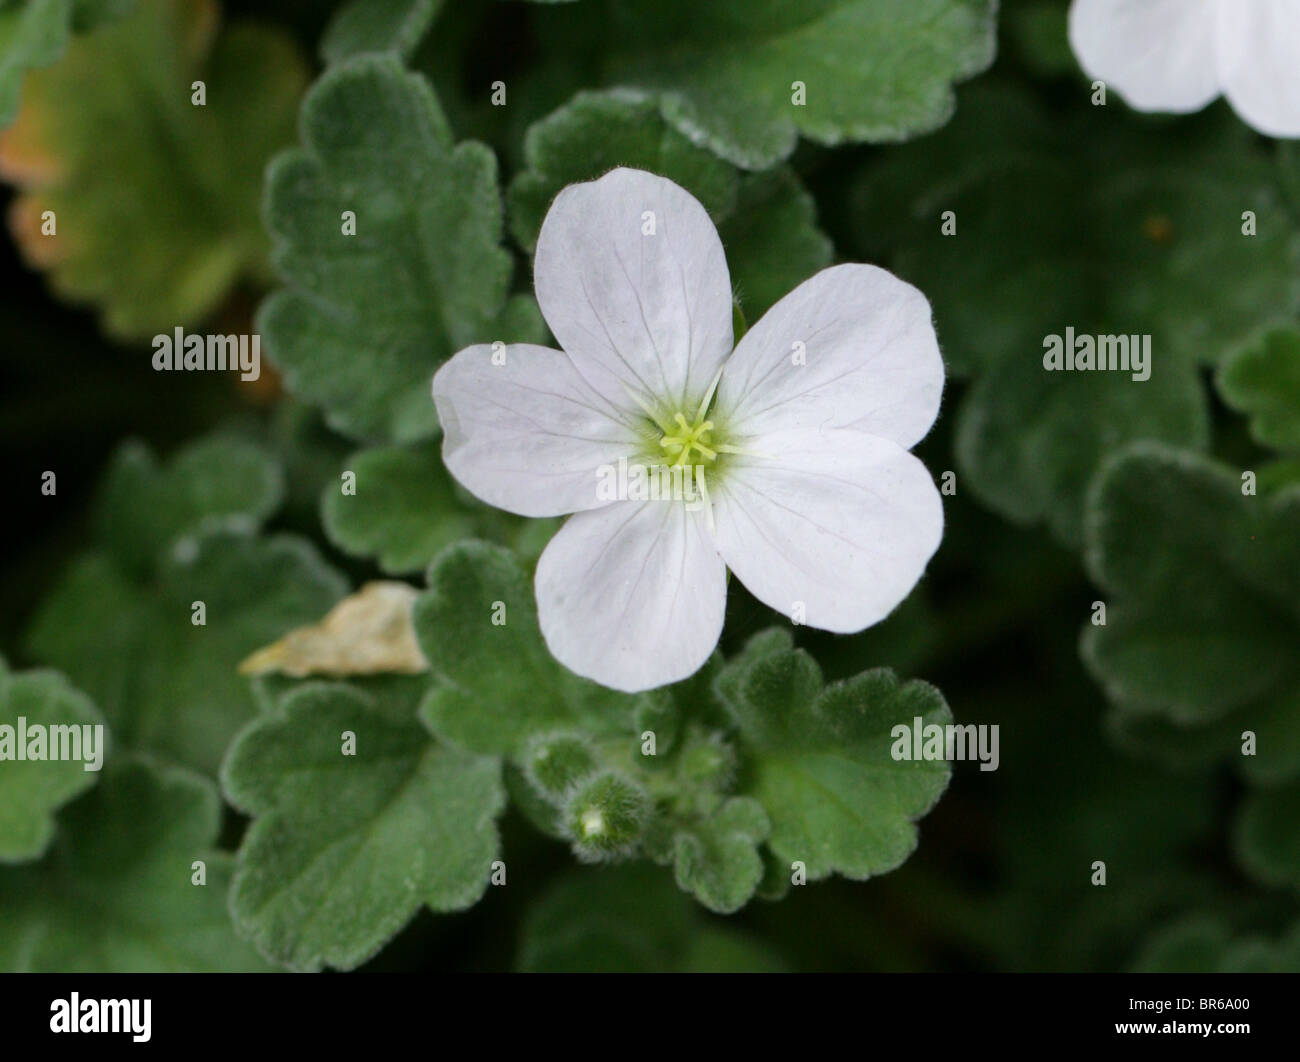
{"points": [[767, 221], [1201, 590], [361, 26], [577, 746], [164, 683], [717, 859], [166, 239], [478, 612], [216, 482], [367, 319], [115, 893], [403, 511], [1267, 836], [725, 72], [400, 693], [31, 791], [772, 240], [595, 132], [630, 919], [345, 848], [407, 507], [1029, 441], [1262, 380], [554, 763], [819, 759]]}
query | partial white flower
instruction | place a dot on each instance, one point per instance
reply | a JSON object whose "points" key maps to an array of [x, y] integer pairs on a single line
{"points": [[797, 440], [1178, 55]]}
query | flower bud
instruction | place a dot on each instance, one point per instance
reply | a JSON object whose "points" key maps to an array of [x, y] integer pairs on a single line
{"points": [[605, 816], [555, 762]]}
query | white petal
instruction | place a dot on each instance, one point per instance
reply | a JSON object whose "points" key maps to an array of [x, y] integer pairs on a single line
{"points": [[528, 435], [645, 312], [840, 522], [1158, 54], [1259, 63], [854, 346], [632, 595]]}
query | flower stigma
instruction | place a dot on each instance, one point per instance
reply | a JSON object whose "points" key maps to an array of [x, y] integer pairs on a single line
{"points": [[688, 446], [690, 437]]}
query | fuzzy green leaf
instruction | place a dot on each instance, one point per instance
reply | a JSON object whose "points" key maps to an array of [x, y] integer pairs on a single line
{"points": [[717, 859], [32, 790], [403, 511], [872, 70], [819, 758], [164, 683], [767, 222], [407, 507], [367, 318], [1029, 441], [361, 26], [597, 131], [116, 892], [479, 611], [346, 847], [1262, 380], [145, 509], [1202, 616]]}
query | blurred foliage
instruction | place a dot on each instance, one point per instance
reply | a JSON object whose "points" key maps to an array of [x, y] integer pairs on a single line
{"points": [[32, 790], [1126, 747], [174, 227], [122, 621]]}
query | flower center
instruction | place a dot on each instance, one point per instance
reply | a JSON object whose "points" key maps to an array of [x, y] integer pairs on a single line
{"points": [[687, 439]]}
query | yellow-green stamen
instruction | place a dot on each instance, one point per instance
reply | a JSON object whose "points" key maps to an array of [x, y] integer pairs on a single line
{"points": [[688, 439]]}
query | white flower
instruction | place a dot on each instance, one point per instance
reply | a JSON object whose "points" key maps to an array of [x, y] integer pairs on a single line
{"points": [[1178, 55], [798, 439]]}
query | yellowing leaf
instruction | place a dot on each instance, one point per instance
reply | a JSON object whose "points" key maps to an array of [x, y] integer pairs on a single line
{"points": [[368, 633]]}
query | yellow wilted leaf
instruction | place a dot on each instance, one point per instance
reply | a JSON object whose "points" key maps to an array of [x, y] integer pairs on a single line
{"points": [[368, 633]]}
